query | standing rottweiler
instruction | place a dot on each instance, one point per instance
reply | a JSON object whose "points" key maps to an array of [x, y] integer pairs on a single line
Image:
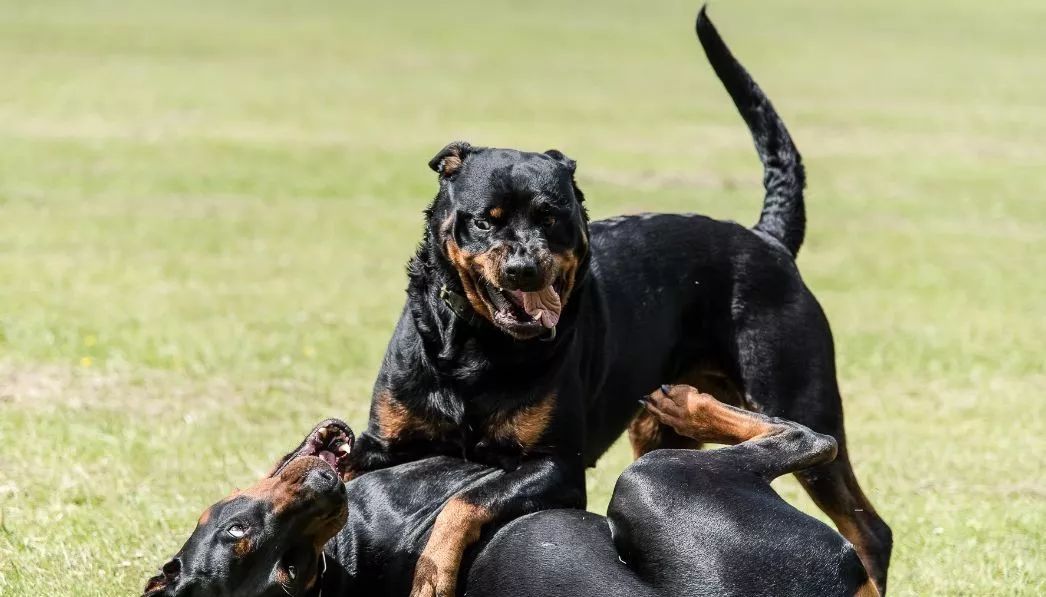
{"points": [[529, 332]]}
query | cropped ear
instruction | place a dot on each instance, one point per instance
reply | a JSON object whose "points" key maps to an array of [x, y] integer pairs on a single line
{"points": [[557, 155], [449, 159], [164, 582]]}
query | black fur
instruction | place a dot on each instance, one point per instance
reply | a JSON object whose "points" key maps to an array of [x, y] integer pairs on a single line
{"points": [[784, 215], [656, 297], [680, 523]]}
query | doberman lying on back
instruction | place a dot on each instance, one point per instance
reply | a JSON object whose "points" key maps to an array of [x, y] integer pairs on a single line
{"points": [[680, 523], [527, 333]]}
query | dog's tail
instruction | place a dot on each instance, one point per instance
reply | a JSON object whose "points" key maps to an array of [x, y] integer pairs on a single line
{"points": [[784, 215]]}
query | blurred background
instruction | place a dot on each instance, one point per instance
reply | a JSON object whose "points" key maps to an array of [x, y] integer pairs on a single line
{"points": [[206, 208]]}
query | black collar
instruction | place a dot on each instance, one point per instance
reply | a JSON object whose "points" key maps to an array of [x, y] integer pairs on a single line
{"points": [[323, 572], [317, 587], [458, 304]]}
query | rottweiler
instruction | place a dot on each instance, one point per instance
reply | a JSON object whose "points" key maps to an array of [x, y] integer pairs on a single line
{"points": [[528, 331], [680, 523]]}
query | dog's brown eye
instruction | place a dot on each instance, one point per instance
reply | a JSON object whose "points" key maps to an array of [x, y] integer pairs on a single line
{"points": [[481, 224], [548, 220]]}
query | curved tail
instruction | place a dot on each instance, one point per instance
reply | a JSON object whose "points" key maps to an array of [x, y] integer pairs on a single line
{"points": [[784, 215]]}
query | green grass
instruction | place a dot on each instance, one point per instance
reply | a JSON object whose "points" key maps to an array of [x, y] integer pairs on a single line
{"points": [[205, 210]]}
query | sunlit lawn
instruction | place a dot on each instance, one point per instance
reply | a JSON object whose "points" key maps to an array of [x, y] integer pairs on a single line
{"points": [[206, 208]]}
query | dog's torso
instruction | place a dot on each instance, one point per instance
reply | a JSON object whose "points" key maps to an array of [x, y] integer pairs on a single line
{"points": [[660, 300], [680, 523], [667, 289]]}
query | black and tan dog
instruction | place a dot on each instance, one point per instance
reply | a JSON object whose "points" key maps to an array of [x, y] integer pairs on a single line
{"points": [[528, 331], [680, 523]]}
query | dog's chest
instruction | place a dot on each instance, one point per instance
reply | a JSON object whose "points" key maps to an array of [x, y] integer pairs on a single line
{"points": [[515, 429], [484, 429]]}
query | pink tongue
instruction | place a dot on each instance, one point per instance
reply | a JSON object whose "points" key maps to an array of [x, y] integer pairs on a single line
{"points": [[543, 305]]}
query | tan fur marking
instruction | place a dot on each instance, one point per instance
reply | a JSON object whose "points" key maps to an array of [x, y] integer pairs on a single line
{"points": [[393, 417], [868, 589], [488, 264], [396, 420], [154, 585], [458, 526], [281, 490], [706, 419], [496, 213], [242, 547], [204, 517], [526, 425], [644, 433], [849, 527], [270, 490], [566, 266], [451, 164], [463, 262]]}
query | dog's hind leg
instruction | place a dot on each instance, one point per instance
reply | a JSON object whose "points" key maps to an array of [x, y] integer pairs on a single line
{"points": [[768, 446], [646, 433], [786, 365], [835, 490]]}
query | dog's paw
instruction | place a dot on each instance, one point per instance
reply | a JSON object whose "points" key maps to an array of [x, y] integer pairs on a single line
{"points": [[431, 580], [681, 407]]}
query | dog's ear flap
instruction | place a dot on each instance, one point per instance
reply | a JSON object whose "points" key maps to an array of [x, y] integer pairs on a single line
{"points": [[163, 583], [558, 155], [571, 167], [449, 159]]}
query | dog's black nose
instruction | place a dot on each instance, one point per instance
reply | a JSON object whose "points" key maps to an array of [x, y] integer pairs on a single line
{"points": [[323, 479], [522, 274]]}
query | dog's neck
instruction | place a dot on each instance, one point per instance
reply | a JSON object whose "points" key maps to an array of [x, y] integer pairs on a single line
{"points": [[333, 579]]}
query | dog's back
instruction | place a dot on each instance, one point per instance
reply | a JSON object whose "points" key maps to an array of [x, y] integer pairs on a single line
{"points": [[699, 523]]}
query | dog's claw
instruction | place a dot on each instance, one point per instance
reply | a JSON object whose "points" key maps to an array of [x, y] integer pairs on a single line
{"points": [[666, 389]]}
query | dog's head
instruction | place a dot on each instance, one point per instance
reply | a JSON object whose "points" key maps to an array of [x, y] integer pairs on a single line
{"points": [[513, 226], [267, 540]]}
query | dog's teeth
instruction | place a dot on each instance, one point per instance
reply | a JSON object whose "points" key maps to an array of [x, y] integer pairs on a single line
{"points": [[345, 448]]}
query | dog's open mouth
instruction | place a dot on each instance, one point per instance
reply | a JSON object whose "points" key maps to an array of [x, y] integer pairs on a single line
{"points": [[519, 310], [331, 441]]}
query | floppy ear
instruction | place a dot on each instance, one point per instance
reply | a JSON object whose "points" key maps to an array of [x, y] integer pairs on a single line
{"points": [[557, 155], [165, 580], [450, 158], [571, 167]]}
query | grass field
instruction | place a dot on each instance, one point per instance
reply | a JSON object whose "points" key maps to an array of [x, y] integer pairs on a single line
{"points": [[206, 208]]}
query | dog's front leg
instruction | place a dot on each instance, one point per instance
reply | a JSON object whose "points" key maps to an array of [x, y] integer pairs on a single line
{"points": [[539, 483], [396, 433], [370, 453]]}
